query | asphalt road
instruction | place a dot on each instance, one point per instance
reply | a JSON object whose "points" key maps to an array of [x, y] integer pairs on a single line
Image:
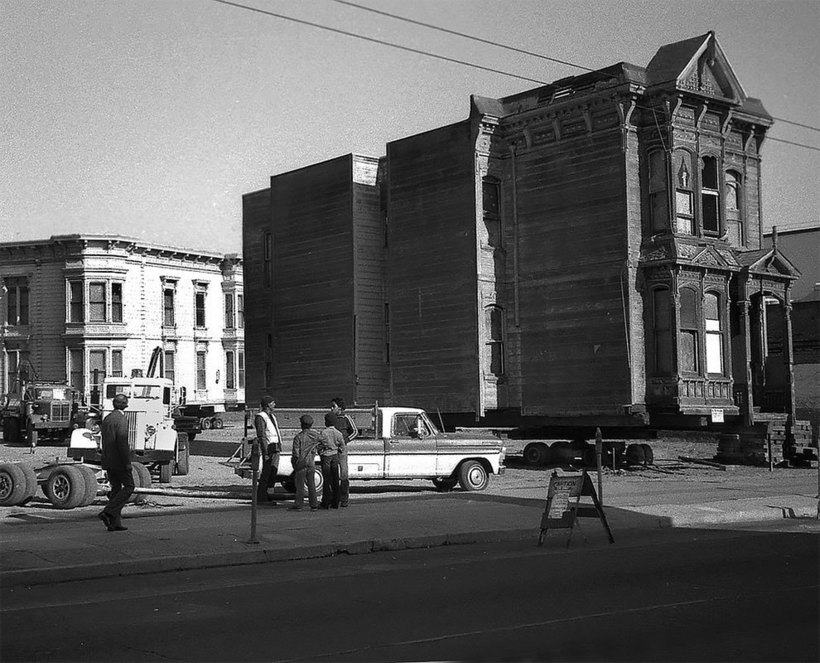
{"points": [[683, 595]]}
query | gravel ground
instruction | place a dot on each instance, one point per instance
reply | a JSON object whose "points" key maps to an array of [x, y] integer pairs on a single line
{"points": [[208, 476]]}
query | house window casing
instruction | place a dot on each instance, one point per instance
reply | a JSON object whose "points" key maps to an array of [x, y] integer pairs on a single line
{"points": [[689, 350], [710, 196], [494, 330], [17, 301], [661, 332], [240, 369], [735, 225], [201, 375], [76, 303], [230, 321], [116, 363], [97, 308], [240, 311], [714, 334], [199, 309], [169, 365], [658, 200], [168, 308], [230, 371], [76, 369]]}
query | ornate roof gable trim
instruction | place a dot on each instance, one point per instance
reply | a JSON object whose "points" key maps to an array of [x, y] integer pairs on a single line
{"points": [[697, 65], [774, 262]]}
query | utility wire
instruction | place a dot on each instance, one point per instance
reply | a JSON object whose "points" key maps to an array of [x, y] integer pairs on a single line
{"points": [[462, 34], [506, 46], [443, 57], [380, 41]]}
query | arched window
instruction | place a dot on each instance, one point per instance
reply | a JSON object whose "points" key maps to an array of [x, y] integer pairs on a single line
{"points": [[714, 333], [494, 334], [662, 332], [710, 196], [734, 209], [689, 331]]}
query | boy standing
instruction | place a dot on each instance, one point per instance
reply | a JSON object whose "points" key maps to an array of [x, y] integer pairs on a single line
{"points": [[304, 450], [330, 442]]}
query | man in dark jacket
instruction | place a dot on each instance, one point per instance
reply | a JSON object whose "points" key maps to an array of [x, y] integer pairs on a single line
{"points": [[303, 460], [116, 461], [344, 424]]}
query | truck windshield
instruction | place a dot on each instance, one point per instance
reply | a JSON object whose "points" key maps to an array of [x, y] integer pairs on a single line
{"points": [[51, 393], [147, 391]]}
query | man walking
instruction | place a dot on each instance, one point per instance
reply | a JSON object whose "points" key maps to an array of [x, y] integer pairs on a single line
{"points": [[302, 459], [330, 442], [270, 446], [116, 461], [347, 428]]}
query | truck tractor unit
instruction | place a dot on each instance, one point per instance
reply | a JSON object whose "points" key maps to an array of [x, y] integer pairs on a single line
{"points": [[36, 411], [153, 437]]}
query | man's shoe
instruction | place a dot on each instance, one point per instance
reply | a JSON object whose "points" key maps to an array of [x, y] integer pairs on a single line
{"points": [[294, 508], [118, 528], [344, 506], [109, 522], [314, 508]]}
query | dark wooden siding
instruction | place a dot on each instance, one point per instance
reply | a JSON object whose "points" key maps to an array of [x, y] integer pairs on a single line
{"points": [[371, 378], [258, 298], [432, 269], [573, 249], [313, 276]]}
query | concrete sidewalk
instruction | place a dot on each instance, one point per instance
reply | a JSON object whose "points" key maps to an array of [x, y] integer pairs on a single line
{"points": [[40, 549]]}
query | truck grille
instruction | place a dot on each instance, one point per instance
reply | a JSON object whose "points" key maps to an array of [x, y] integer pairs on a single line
{"points": [[131, 418], [60, 412]]}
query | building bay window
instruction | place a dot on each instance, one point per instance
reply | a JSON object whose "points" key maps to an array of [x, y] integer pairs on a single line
{"points": [[96, 302], [168, 309], [658, 202], [734, 211]]}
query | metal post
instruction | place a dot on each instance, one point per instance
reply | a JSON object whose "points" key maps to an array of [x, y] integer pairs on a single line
{"points": [[254, 482], [599, 447]]}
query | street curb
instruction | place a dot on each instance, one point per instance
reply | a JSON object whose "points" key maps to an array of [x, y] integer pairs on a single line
{"points": [[251, 554]]}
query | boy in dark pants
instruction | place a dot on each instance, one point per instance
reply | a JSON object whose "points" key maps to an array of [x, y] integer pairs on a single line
{"points": [[347, 428], [304, 451], [330, 442]]}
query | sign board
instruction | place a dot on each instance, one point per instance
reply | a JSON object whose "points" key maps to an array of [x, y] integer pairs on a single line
{"points": [[564, 504], [717, 415]]}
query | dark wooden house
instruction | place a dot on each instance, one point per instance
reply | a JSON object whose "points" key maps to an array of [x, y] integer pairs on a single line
{"points": [[586, 251]]}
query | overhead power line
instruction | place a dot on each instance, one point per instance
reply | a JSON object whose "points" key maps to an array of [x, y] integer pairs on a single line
{"points": [[443, 57], [380, 41], [506, 46]]}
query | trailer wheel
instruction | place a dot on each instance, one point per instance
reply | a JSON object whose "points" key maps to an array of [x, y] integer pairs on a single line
{"points": [[142, 477], [472, 475], [65, 487], [31, 483], [445, 484], [182, 464], [562, 453], [289, 484], [206, 424], [536, 454], [648, 454], [91, 485], [13, 484], [219, 424], [166, 471], [635, 455], [11, 431]]}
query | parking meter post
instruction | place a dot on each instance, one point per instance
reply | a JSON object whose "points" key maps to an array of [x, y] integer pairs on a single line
{"points": [[254, 484], [599, 447]]}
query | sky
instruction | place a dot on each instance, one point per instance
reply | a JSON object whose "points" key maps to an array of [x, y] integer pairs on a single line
{"points": [[151, 118]]}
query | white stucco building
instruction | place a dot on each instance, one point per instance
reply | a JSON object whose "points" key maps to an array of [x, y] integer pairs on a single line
{"points": [[78, 307]]}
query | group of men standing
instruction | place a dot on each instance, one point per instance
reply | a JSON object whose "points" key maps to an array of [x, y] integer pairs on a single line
{"points": [[329, 443]]}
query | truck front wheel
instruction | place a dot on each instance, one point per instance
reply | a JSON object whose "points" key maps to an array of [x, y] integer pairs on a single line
{"points": [[473, 476]]}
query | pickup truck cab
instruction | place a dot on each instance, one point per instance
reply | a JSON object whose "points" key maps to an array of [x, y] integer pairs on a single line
{"points": [[399, 443]]}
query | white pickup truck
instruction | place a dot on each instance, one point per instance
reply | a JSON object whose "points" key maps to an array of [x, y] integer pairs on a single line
{"points": [[393, 443]]}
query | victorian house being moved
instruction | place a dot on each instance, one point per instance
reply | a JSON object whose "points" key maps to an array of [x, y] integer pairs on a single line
{"points": [[588, 252]]}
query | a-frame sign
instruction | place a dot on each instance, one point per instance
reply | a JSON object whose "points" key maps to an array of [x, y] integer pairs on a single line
{"points": [[564, 504]]}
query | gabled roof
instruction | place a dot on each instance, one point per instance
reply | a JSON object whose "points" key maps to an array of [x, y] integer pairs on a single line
{"points": [[698, 65], [767, 260]]}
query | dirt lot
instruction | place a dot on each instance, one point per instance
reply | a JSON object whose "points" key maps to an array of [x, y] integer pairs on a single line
{"points": [[212, 483]]}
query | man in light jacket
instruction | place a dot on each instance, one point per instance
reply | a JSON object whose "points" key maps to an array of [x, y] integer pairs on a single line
{"points": [[270, 446]]}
